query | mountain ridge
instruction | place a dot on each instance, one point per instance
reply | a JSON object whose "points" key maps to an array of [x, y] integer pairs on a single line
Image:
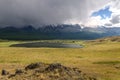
{"points": [[63, 31]]}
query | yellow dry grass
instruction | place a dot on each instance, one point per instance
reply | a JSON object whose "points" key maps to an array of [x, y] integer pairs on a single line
{"points": [[97, 59]]}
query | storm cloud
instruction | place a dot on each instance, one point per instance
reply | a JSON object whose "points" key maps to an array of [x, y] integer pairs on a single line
{"points": [[43, 12]]}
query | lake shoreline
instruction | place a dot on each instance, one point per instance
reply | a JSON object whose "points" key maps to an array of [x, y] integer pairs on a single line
{"points": [[47, 45]]}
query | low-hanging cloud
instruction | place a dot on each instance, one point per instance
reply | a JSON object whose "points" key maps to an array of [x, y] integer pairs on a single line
{"points": [[115, 19], [42, 12]]}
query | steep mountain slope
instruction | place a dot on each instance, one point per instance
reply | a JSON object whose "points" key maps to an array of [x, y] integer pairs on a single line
{"points": [[63, 31]]}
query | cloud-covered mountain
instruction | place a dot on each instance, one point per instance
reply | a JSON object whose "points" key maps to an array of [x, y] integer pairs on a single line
{"points": [[105, 31], [63, 31]]}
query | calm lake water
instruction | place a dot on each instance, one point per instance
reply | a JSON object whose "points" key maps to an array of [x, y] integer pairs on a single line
{"points": [[47, 44]]}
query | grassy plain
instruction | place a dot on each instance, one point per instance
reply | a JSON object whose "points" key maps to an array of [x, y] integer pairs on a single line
{"points": [[99, 59]]}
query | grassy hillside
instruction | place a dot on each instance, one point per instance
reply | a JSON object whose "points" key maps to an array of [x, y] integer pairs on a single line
{"points": [[108, 39], [98, 58]]}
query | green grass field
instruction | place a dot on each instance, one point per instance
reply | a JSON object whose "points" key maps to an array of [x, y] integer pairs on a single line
{"points": [[99, 59]]}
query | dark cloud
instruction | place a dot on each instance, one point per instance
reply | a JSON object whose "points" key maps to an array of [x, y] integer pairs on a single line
{"points": [[40, 12], [108, 24], [115, 19]]}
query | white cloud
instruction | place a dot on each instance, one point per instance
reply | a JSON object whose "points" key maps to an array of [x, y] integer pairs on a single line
{"points": [[96, 21], [115, 8], [113, 21]]}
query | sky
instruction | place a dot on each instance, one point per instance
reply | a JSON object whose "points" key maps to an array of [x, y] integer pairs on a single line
{"points": [[103, 13], [90, 13]]}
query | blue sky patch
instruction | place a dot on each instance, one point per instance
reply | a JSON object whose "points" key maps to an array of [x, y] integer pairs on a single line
{"points": [[104, 13]]}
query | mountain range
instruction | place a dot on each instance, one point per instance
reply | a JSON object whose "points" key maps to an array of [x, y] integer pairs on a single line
{"points": [[63, 31]]}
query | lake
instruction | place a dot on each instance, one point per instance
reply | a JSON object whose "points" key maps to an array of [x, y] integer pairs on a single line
{"points": [[47, 45]]}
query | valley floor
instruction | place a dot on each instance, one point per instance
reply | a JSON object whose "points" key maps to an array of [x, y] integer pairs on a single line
{"points": [[98, 59]]}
